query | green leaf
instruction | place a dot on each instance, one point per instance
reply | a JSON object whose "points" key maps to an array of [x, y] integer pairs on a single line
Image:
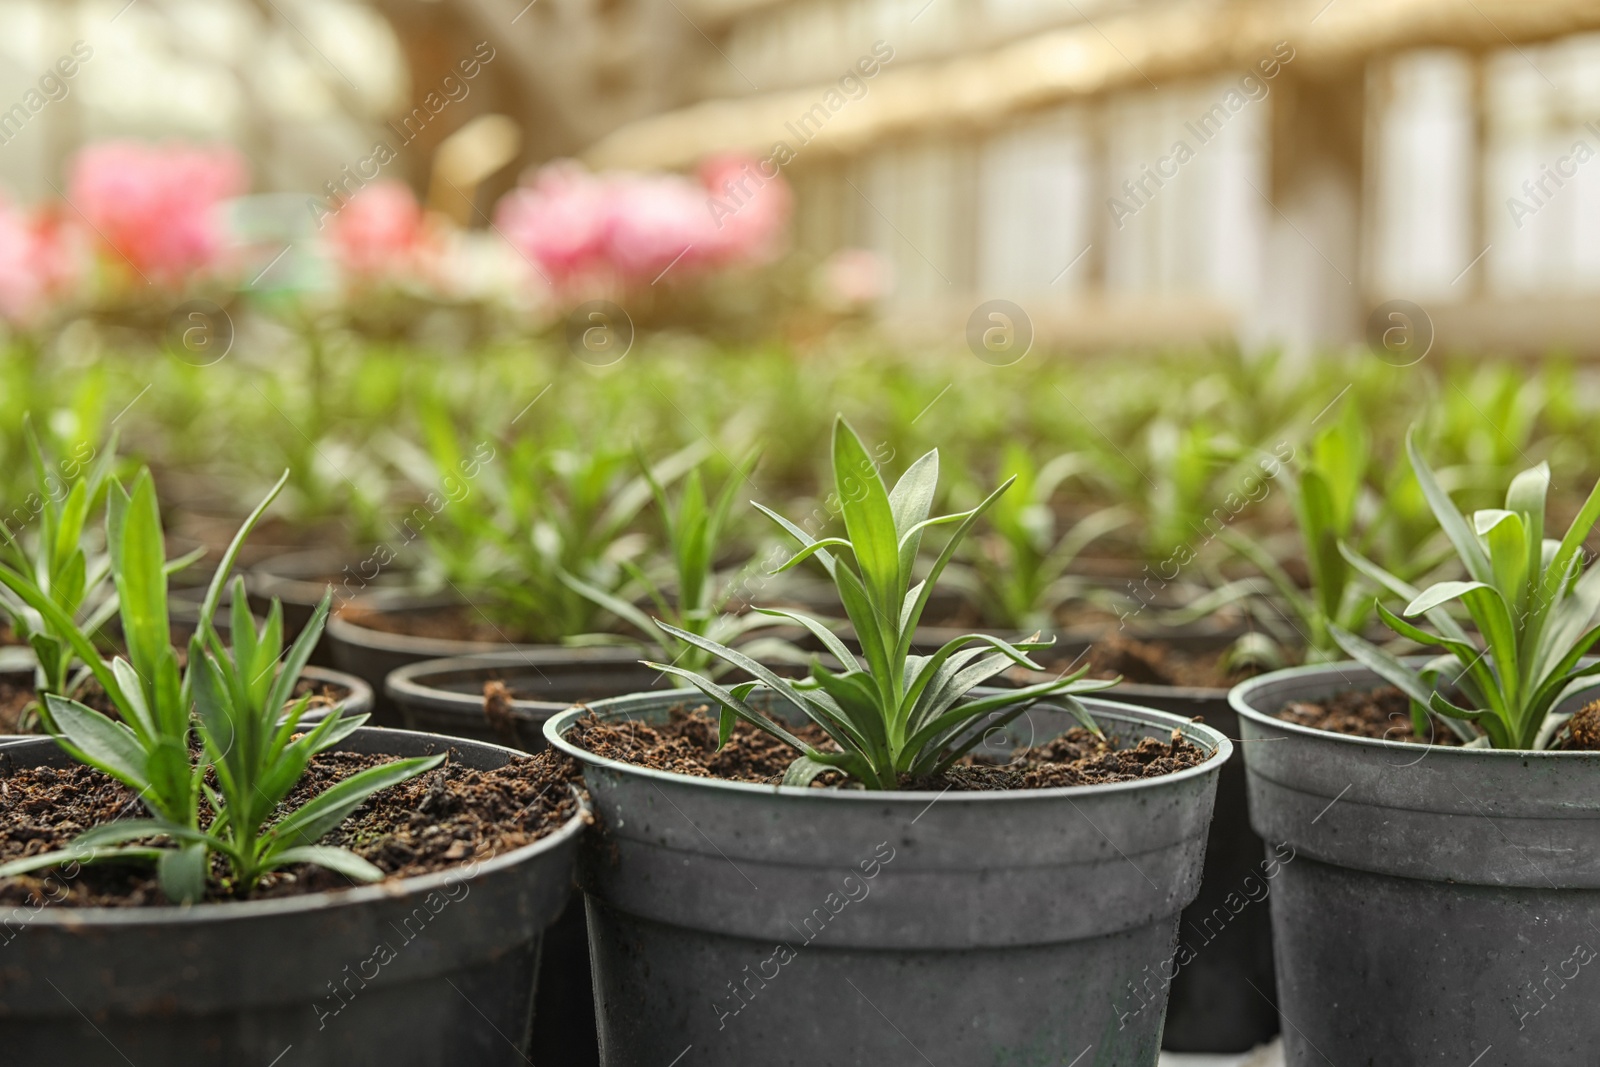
{"points": [[135, 712], [823, 557], [1505, 537], [814, 548], [867, 518], [170, 777], [1464, 651], [214, 705], [1017, 700], [62, 626], [738, 659], [63, 857], [1384, 580], [1383, 665], [294, 664], [96, 740], [308, 823], [803, 771], [139, 565], [339, 860], [732, 702], [1442, 593], [219, 580], [927, 688], [182, 872], [836, 648], [616, 605], [857, 700], [910, 501], [1321, 530], [1556, 572], [120, 830], [1526, 496], [1449, 516], [939, 564], [1487, 721]]}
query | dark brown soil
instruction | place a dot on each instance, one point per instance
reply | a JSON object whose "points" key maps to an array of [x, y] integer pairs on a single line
{"points": [[434, 822], [1383, 713], [14, 699], [1583, 732], [464, 623], [688, 745]]}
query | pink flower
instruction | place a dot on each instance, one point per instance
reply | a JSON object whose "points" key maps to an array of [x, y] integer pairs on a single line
{"points": [[156, 207], [657, 221], [378, 233], [559, 222], [749, 210], [586, 231], [853, 278], [36, 266]]}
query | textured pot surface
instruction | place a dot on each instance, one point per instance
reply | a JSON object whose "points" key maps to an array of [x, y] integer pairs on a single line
{"points": [[298, 580], [358, 694], [446, 695], [759, 924], [1441, 901], [427, 970], [371, 654], [1222, 998]]}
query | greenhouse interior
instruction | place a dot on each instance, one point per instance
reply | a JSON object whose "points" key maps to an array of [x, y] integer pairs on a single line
{"points": [[1111, 486]]}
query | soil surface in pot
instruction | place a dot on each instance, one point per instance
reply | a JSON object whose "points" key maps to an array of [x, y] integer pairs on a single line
{"points": [[1385, 713], [14, 699], [434, 822], [687, 744]]}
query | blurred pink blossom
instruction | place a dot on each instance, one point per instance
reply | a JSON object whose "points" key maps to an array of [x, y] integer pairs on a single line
{"points": [[749, 210], [36, 266], [853, 278], [156, 206], [656, 221], [379, 233], [559, 221], [586, 230]]}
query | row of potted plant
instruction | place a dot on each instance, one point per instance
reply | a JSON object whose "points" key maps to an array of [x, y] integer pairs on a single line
{"points": [[194, 867], [800, 856]]}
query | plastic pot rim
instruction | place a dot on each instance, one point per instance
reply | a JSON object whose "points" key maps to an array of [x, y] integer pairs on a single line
{"points": [[1221, 748], [1240, 695], [92, 919]]}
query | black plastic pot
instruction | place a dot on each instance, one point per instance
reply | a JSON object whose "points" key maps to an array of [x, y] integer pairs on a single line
{"points": [[1222, 997], [1441, 902], [437, 969], [372, 654], [299, 580], [446, 695], [981, 928]]}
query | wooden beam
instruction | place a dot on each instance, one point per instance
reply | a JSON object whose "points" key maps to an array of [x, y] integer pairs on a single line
{"points": [[1163, 42]]}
